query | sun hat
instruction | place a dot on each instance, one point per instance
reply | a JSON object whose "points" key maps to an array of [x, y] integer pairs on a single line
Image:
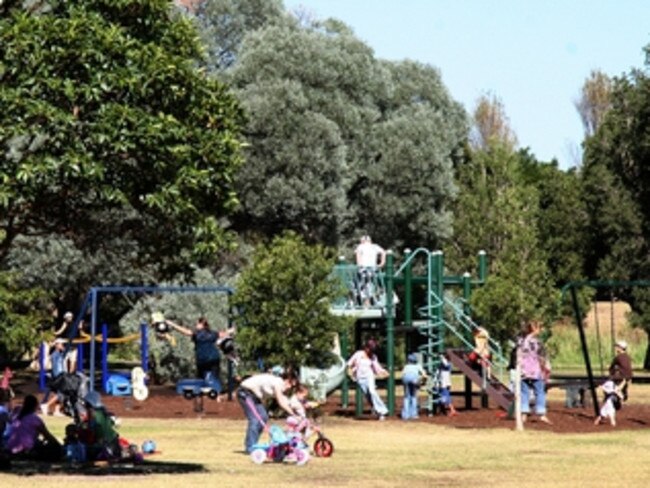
{"points": [[60, 340], [622, 344], [94, 399]]}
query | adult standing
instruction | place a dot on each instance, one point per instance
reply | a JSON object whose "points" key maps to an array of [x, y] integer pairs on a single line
{"points": [[621, 367], [535, 370], [57, 360], [252, 394], [68, 332], [369, 257], [205, 346], [364, 367]]}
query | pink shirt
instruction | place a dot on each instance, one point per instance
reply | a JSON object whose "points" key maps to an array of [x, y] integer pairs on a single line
{"points": [[364, 367], [24, 433]]}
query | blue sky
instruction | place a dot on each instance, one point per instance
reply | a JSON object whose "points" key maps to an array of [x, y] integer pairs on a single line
{"points": [[533, 54]]}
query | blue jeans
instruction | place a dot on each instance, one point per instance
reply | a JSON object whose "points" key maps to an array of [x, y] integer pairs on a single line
{"points": [[410, 408], [369, 389], [256, 415], [540, 396]]}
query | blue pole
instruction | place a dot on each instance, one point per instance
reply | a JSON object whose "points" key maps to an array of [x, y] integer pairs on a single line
{"points": [[80, 357], [41, 367], [105, 357], [144, 347], [93, 331]]}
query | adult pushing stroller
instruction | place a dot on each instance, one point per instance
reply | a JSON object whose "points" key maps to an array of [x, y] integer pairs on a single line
{"points": [[71, 389]]}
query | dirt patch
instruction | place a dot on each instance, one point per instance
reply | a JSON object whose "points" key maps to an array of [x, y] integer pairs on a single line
{"points": [[165, 403]]}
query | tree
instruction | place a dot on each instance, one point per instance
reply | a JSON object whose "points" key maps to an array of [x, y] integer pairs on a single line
{"points": [[309, 97], [497, 213], [104, 112], [491, 124], [225, 23], [284, 297], [22, 312], [408, 183], [594, 101], [616, 179], [563, 219]]}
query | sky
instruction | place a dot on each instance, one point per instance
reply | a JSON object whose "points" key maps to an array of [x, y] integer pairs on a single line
{"points": [[534, 55]]}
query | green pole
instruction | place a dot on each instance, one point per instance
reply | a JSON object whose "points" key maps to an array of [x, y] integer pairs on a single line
{"points": [[467, 295], [585, 352], [408, 292], [441, 293], [467, 291], [482, 266], [345, 386], [390, 333]]}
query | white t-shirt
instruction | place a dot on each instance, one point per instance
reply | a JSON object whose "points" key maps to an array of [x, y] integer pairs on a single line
{"points": [[367, 254], [263, 385]]}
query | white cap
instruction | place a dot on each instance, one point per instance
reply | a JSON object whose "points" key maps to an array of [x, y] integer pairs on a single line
{"points": [[622, 345], [68, 316]]}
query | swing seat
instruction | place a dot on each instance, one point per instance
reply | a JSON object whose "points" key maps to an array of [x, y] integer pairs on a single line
{"points": [[118, 385]]}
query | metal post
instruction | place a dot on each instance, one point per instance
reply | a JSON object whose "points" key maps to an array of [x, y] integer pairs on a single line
{"points": [[482, 266], [467, 291], [345, 386], [408, 289], [585, 352], [105, 357], [42, 379], [144, 347], [80, 357], [93, 331], [390, 333], [441, 295]]}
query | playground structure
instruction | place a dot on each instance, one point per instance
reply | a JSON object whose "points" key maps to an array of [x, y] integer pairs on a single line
{"points": [[430, 324], [91, 305]]}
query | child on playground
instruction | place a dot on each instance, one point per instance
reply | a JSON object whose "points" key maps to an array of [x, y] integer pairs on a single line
{"points": [[445, 387], [412, 376], [611, 403], [363, 367]]}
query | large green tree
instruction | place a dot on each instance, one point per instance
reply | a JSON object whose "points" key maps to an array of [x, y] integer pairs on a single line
{"points": [[496, 212], [403, 193], [309, 98], [104, 111], [340, 142], [616, 180], [284, 297]]}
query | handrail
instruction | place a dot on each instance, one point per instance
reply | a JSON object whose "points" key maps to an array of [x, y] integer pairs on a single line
{"points": [[349, 276]]}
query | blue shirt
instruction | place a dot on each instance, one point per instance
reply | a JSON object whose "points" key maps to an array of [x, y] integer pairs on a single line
{"points": [[205, 345], [58, 363]]}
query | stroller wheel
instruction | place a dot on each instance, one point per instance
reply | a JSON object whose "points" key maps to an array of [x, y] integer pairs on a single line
{"points": [[323, 447], [258, 456]]}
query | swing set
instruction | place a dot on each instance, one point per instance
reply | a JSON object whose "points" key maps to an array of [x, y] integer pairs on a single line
{"points": [[572, 288]]}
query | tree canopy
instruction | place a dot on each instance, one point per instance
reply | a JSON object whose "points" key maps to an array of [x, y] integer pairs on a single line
{"points": [[104, 111], [284, 298]]}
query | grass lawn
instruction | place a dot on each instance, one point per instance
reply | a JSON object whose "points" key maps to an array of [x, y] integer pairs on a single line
{"points": [[370, 453]]}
